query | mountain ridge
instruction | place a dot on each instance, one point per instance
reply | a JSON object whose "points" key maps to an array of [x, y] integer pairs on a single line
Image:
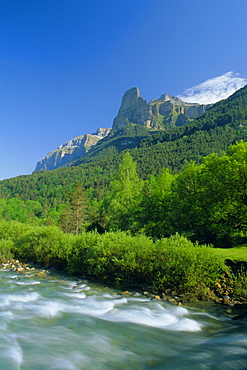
{"points": [[222, 125], [71, 150], [159, 114], [162, 113]]}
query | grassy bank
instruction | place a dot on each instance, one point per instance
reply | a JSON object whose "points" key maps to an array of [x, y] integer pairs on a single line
{"points": [[172, 264], [233, 254]]}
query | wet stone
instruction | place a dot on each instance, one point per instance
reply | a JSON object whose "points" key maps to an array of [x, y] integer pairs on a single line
{"points": [[41, 274]]}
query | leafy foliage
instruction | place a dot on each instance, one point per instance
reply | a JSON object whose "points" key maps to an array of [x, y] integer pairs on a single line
{"points": [[211, 198], [119, 258], [121, 203]]}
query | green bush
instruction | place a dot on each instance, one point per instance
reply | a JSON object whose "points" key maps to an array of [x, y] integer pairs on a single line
{"points": [[173, 263], [13, 230], [115, 256], [6, 247], [239, 284], [186, 267], [122, 258], [77, 257], [46, 245]]}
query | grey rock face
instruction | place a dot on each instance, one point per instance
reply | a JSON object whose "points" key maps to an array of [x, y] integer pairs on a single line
{"points": [[159, 113], [101, 132], [134, 109], [71, 150]]}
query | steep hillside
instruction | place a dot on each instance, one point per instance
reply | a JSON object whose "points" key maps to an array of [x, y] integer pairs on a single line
{"points": [[221, 125], [127, 137]]}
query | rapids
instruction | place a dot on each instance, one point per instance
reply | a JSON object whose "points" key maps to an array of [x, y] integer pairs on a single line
{"points": [[57, 322]]}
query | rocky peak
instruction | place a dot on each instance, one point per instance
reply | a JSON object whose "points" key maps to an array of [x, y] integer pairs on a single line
{"points": [[165, 97], [130, 98], [164, 112], [73, 149], [133, 109], [102, 132]]}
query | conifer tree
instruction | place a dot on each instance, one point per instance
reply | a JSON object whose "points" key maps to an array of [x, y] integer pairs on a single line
{"points": [[74, 215]]}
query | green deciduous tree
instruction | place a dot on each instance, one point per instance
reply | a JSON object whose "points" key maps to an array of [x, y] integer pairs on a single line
{"points": [[122, 202], [155, 210], [211, 199]]}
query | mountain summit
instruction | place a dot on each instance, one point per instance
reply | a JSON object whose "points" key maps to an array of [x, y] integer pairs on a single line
{"points": [[159, 114], [163, 113]]}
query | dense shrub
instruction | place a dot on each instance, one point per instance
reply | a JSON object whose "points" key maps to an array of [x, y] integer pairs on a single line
{"points": [[171, 263], [117, 257], [186, 267], [46, 245], [6, 247], [13, 230]]}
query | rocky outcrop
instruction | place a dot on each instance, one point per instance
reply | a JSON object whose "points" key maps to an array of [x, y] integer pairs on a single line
{"points": [[71, 150], [165, 112], [134, 109], [159, 114]]}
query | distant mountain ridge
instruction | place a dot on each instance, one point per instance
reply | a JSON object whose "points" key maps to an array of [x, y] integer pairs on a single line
{"points": [[159, 114], [71, 150], [212, 132], [223, 124]]}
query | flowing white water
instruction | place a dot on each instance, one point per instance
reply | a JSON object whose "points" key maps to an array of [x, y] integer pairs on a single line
{"points": [[60, 323]]}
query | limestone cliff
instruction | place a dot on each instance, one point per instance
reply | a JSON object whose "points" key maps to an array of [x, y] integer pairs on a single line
{"points": [[159, 114], [163, 113], [71, 150], [134, 109]]}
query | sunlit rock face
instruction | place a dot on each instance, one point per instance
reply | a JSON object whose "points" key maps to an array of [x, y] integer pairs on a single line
{"points": [[71, 150], [165, 112], [159, 114], [134, 109]]}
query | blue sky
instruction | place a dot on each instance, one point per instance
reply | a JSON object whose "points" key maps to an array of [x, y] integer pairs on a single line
{"points": [[65, 64]]}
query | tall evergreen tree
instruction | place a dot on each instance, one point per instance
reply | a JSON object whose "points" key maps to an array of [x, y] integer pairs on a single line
{"points": [[74, 215]]}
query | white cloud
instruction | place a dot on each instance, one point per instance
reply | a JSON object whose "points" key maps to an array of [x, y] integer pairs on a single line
{"points": [[214, 89]]}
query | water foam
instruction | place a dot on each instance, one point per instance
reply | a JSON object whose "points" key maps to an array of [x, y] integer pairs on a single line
{"points": [[50, 309], [12, 350], [185, 325], [75, 295], [28, 282], [15, 354], [8, 299], [6, 317], [156, 316], [94, 307]]}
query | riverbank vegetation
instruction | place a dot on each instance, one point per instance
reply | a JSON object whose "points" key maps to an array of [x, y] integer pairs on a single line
{"points": [[206, 203], [169, 264], [165, 231], [172, 266]]}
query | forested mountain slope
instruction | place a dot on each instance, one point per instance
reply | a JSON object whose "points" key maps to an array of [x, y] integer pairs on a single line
{"points": [[159, 114], [223, 124]]}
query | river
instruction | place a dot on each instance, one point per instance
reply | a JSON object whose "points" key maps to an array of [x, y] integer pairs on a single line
{"points": [[58, 322]]}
